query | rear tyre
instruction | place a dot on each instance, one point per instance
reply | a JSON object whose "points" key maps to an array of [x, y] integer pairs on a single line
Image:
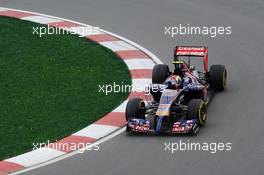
{"points": [[218, 77], [197, 110], [135, 109], [159, 73]]}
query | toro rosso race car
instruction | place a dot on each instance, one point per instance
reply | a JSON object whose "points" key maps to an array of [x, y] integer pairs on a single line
{"points": [[178, 99]]}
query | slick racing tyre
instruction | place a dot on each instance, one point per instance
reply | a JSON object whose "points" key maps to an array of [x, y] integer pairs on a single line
{"points": [[197, 110], [159, 73], [135, 109], [218, 77]]}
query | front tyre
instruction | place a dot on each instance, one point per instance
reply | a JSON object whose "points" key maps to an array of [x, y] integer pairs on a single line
{"points": [[197, 110], [218, 77], [135, 109], [159, 73]]}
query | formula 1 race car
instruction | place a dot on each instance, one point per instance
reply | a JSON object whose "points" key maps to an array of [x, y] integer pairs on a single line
{"points": [[178, 99]]}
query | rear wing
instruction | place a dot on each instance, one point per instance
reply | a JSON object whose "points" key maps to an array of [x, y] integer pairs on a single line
{"points": [[195, 51], [199, 51]]}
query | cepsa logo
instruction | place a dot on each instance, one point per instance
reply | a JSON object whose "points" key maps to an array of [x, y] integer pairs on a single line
{"points": [[199, 51]]}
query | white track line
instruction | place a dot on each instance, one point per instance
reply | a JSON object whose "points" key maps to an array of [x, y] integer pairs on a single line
{"points": [[121, 108], [40, 19], [117, 45], [139, 64], [96, 131]]}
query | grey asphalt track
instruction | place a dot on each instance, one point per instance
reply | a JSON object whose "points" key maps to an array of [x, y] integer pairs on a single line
{"points": [[235, 116]]}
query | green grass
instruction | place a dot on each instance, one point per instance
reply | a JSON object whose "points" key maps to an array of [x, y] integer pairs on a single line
{"points": [[49, 85]]}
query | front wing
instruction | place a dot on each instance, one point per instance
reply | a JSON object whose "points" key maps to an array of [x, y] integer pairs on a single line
{"points": [[180, 127]]}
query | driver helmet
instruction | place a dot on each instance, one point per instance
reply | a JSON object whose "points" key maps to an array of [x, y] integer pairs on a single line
{"points": [[179, 67], [174, 82]]}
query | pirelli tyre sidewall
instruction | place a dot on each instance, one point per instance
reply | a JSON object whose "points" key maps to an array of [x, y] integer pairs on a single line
{"points": [[135, 109], [218, 77], [197, 110]]}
